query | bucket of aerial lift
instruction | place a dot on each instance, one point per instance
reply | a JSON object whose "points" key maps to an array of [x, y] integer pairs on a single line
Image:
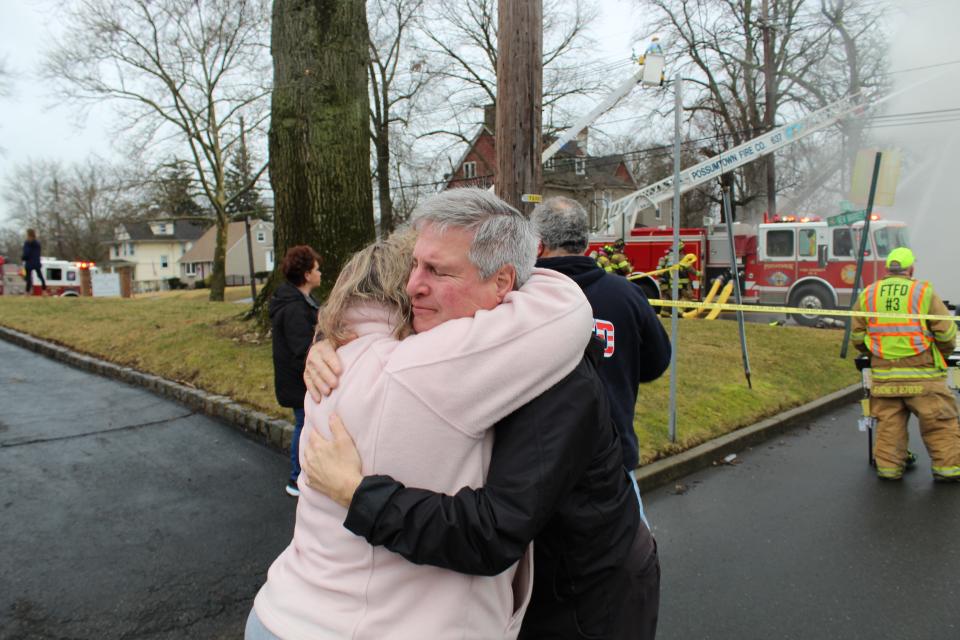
{"points": [[653, 64]]}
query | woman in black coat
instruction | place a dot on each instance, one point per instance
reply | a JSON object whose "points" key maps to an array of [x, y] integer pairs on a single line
{"points": [[31, 261], [293, 317]]}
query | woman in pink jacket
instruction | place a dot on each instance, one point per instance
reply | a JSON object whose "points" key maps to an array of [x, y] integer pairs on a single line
{"points": [[407, 422]]}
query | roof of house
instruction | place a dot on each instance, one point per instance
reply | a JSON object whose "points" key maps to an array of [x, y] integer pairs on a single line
{"points": [[182, 230], [202, 250], [599, 171]]}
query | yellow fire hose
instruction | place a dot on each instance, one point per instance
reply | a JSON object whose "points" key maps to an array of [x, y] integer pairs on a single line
{"points": [[693, 313], [686, 261], [727, 290]]}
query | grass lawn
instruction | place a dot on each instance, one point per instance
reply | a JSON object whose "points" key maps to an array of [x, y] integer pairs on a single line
{"points": [[181, 336]]}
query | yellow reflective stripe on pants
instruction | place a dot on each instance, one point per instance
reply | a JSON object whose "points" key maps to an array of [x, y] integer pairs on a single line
{"points": [[890, 472], [908, 374], [946, 472]]}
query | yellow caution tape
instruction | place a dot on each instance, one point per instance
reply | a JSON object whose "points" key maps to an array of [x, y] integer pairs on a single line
{"points": [[756, 308]]}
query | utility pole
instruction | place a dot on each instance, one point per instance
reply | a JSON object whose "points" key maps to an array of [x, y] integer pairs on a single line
{"points": [[519, 97], [770, 97]]}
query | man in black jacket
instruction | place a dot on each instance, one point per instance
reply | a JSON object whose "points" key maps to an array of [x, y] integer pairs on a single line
{"points": [[636, 347], [556, 476]]}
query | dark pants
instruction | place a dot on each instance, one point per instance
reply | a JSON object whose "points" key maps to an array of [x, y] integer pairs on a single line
{"points": [[298, 415], [43, 283], [638, 607]]}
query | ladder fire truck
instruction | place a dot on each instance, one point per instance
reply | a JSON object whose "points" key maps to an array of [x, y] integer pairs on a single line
{"points": [[787, 261]]}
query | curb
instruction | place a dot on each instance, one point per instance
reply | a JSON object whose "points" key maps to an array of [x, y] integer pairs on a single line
{"points": [[272, 431], [278, 433], [659, 473]]}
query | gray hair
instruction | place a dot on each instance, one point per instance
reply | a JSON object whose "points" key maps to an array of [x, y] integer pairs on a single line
{"points": [[562, 224], [502, 235]]}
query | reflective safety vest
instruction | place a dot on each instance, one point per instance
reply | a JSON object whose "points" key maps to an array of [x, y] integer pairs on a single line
{"points": [[893, 338]]}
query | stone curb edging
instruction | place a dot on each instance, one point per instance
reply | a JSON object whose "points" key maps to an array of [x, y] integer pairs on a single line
{"points": [[659, 473], [275, 432], [278, 433]]}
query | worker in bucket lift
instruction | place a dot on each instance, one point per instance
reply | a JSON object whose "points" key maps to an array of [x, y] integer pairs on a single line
{"points": [[683, 272], [908, 358]]}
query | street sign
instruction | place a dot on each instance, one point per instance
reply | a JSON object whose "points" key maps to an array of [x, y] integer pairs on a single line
{"points": [[847, 218]]}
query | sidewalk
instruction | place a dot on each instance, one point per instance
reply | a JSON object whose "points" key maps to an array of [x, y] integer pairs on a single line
{"points": [[278, 433]]}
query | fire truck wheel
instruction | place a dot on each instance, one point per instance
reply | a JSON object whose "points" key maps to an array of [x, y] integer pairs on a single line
{"points": [[810, 296]]}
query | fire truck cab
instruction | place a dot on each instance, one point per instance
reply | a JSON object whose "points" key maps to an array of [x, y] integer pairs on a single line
{"points": [[813, 265]]}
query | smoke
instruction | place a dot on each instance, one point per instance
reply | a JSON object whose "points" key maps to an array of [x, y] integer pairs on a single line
{"points": [[927, 194]]}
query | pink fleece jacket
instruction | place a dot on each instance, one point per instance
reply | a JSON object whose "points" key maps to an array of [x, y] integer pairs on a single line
{"points": [[421, 410]]}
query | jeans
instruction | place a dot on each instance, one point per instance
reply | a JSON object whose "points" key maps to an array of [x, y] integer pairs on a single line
{"points": [[636, 489], [298, 416], [255, 629]]}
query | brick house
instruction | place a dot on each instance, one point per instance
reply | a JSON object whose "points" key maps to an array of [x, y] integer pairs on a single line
{"points": [[593, 181]]}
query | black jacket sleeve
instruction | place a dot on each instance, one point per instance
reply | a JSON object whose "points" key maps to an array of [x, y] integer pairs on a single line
{"points": [[655, 345], [540, 451]]}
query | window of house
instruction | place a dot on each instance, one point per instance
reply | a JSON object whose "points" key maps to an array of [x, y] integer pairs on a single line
{"points": [[470, 169], [780, 243], [116, 251], [549, 165], [164, 262], [580, 166], [191, 268], [130, 250], [261, 237], [162, 228]]}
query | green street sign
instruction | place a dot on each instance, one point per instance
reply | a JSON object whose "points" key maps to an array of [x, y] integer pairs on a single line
{"points": [[847, 218]]}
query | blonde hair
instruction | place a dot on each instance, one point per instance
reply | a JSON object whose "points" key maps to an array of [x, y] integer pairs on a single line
{"points": [[378, 274]]}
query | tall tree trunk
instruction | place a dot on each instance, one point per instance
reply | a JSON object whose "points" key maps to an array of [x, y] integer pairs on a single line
{"points": [[319, 138], [218, 279], [382, 146]]}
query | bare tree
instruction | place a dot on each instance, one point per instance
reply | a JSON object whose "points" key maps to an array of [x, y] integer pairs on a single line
{"points": [[462, 51], [815, 56], [74, 209], [397, 74], [185, 69], [4, 78]]}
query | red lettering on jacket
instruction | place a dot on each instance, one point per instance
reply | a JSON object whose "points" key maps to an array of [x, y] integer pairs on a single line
{"points": [[604, 331]]}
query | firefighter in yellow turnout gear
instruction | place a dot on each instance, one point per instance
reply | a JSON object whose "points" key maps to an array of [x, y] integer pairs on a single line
{"points": [[684, 273], [908, 360]]}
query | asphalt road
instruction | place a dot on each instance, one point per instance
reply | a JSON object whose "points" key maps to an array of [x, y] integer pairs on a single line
{"points": [[800, 540], [125, 515]]}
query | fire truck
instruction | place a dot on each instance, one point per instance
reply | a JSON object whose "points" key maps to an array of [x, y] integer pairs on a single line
{"points": [[796, 262], [62, 277]]}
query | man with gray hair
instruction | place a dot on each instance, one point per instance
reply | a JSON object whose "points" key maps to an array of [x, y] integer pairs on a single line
{"points": [[555, 472], [636, 347]]}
